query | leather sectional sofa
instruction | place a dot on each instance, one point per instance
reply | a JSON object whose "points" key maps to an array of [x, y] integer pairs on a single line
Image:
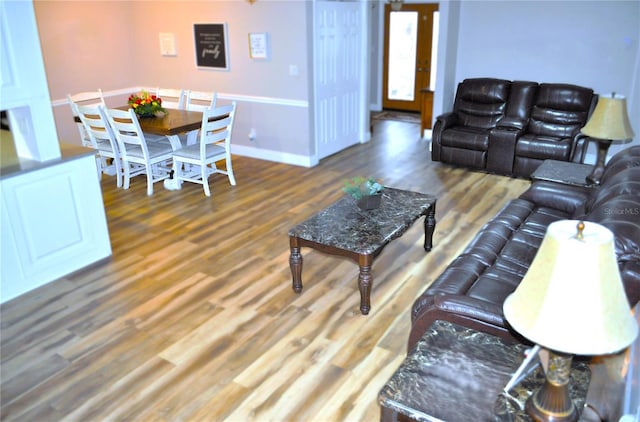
{"points": [[510, 128], [472, 289]]}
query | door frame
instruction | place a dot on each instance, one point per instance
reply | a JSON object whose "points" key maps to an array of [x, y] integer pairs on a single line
{"points": [[419, 84]]}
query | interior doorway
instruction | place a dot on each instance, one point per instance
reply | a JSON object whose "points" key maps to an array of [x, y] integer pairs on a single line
{"points": [[409, 56]]}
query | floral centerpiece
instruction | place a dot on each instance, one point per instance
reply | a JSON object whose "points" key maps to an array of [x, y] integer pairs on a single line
{"points": [[366, 191], [146, 105]]}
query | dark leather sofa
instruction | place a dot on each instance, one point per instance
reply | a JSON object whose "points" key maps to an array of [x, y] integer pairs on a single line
{"points": [[511, 127], [473, 287]]}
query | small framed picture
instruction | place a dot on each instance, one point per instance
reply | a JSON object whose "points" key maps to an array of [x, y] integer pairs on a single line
{"points": [[211, 46], [258, 45], [168, 44]]}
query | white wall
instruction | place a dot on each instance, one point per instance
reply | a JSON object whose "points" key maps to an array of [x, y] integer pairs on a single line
{"points": [[589, 43], [114, 45]]}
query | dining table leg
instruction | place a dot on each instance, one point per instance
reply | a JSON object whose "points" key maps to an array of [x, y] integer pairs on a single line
{"points": [[173, 183]]}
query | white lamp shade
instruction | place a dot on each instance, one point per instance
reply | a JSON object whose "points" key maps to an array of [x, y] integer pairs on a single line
{"points": [[572, 300], [609, 120]]}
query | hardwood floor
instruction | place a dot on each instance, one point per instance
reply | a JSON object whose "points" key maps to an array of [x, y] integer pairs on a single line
{"points": [[194, 317]]}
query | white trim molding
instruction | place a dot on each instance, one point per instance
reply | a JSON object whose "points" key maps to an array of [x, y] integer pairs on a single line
{"points": [[275, 156], [226, 96]]}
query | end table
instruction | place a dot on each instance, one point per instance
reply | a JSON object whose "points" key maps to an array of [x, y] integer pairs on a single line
{"points": [[564, 172], [457, 374]]}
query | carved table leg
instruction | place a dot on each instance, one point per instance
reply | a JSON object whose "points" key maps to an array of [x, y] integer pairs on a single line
{"points": [[429, 227], [295, 263], [365, 282]]}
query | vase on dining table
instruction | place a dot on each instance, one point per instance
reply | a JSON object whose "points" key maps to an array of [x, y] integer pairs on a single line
{"points": [[147, 115]]}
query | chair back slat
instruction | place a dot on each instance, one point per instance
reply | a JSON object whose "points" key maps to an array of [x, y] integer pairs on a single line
{"points": [[126, 127], [85, 98], [201, 100], [172, 98], [96, 123]]}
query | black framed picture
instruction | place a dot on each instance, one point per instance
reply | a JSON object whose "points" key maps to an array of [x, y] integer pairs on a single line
{"points": [[211, 45]]}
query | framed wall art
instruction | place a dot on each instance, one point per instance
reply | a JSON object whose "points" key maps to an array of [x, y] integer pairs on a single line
{"points": [[258, 45], [212, 49]]}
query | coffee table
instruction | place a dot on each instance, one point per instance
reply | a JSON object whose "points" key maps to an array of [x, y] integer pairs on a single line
{"points": [[344, 229]]}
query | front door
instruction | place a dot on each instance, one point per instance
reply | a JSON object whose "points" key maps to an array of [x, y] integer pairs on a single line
{"points": [[407, 55]]}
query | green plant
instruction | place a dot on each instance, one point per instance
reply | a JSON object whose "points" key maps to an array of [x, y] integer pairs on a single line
{"points": [[359, 187]]}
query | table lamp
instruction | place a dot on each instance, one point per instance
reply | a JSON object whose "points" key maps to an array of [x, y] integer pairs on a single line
{"points": [[570, 301], [609, 122]]}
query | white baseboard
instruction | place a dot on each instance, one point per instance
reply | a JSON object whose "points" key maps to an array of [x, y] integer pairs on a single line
{"points": [[276, 156]]}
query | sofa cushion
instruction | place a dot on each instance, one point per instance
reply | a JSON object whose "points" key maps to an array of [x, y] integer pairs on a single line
{"points": [[621, 215], [494, 283], [481, 102], [555, 124], [626, 181], [543, 147], [625, 159], [466, 137]]}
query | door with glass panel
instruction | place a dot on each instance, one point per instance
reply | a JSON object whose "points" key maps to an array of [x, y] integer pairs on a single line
{"points": [[409, 54]]}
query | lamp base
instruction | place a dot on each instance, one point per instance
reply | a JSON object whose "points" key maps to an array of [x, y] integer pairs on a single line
{"points": [[596, 174], [552, 402]]}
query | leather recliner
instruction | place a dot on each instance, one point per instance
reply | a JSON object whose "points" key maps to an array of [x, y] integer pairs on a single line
{"points": [[509, 128], [553, 129], [462, 135]]}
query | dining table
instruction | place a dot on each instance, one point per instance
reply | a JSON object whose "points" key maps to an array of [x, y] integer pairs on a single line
{"points": [[174, 123]]}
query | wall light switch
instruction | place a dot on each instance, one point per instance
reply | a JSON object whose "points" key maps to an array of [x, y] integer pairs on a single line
{"points": [[293, 70]]}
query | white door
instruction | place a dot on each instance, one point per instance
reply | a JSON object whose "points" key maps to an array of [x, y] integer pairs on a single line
{"points": [[340, 76]]}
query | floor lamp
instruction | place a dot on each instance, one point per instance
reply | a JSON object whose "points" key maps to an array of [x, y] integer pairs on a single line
{"points": [[609, 122]]}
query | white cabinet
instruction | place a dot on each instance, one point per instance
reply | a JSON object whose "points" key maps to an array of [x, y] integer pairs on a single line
{"points": [[53, 223]]}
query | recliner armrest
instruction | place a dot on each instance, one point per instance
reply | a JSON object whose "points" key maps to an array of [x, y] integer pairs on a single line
{"points": [[556, 196], [511, 123], [579, 147], [447, 120], [462, 310]]}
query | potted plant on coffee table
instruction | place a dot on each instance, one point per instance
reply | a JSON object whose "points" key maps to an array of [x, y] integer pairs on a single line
{"points": [[366, 191]]}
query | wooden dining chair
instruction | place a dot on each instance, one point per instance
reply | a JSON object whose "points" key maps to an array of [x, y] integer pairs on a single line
{"points": [[138, 156], [214, 146], [101, 137]]}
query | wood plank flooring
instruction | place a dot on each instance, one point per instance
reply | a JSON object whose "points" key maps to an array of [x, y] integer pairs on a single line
{"points": [[194, 317]]}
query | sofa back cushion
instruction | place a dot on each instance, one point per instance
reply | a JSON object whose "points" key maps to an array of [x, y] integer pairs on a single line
{"points": [[624, 182], [621, 215], [481, 102], [623, 159], [560, 110]]}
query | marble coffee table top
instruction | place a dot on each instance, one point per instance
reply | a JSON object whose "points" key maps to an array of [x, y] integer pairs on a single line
{"points": [[345, 226]]}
